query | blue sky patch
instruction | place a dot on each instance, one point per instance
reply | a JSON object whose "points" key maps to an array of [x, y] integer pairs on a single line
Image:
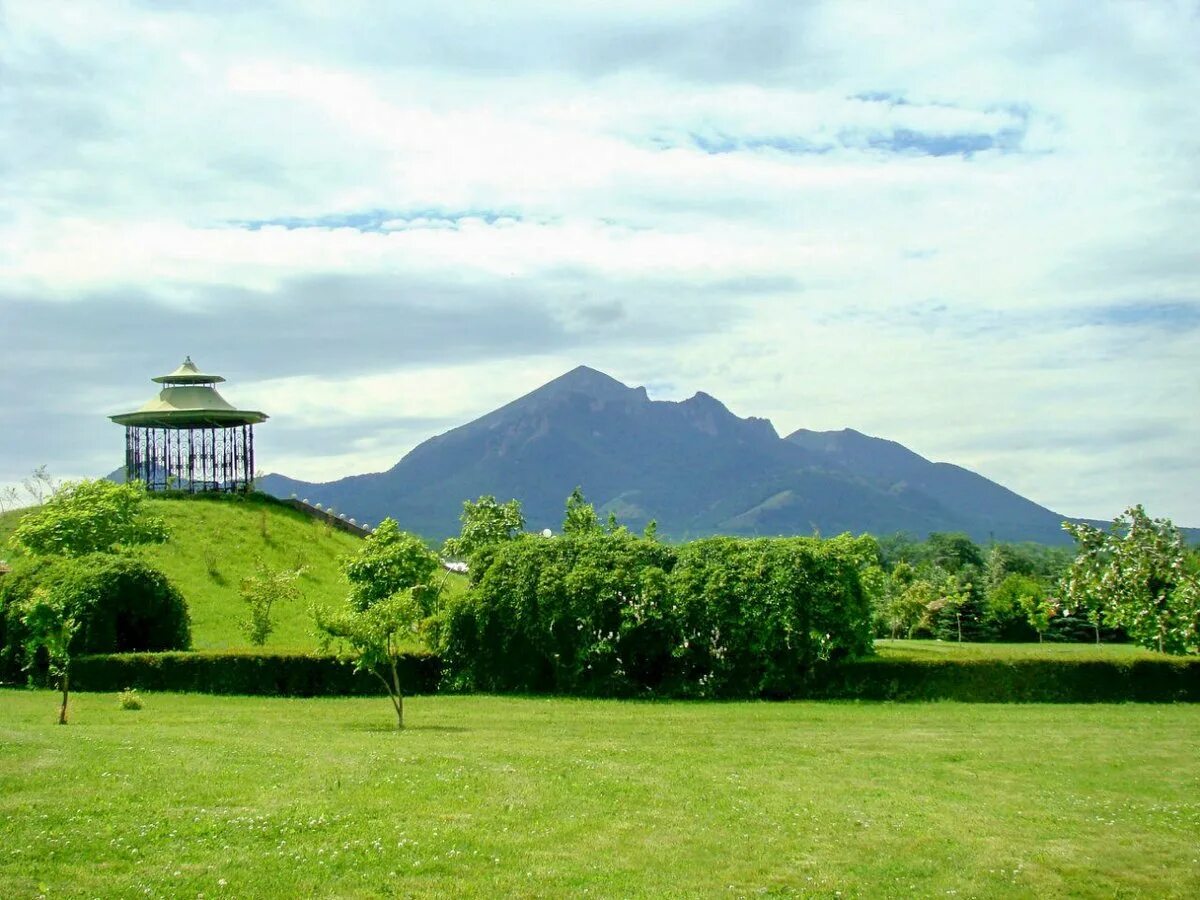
{"points": [[375, 219]]}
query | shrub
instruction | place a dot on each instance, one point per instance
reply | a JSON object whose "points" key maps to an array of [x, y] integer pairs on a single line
{"points": [[757, 615], [585, 613], [129, 699], [120, 602]]}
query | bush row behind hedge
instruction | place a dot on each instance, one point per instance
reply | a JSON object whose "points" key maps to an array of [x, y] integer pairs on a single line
{"points": [[617, 615]]}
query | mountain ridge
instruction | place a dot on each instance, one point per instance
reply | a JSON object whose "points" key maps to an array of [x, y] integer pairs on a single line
{"points": [[692, 465]]}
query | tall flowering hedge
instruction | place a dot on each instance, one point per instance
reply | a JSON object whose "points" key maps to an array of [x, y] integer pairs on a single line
{"points": [[611, 614]]}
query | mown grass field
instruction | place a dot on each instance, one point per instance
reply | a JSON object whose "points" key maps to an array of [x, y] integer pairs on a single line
{"points": [[217, 541], [488, 796]]}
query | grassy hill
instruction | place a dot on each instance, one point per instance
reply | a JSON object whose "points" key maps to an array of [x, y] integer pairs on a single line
{"points": [[217, 540]]}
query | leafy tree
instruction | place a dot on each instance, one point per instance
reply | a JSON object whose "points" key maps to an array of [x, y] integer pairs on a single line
{"points": [[50, 626], [908, 603], [1136, 575], [959, 613], [1039, 610], [261, 592], [581, 516], [89, 517], [1004, 604], [953, 551], [485, 523], [391, 594], [389, 561]]}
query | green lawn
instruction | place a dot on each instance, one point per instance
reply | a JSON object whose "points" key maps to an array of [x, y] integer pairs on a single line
{"points": [[905, 649], [216, 541], [487, 796]]}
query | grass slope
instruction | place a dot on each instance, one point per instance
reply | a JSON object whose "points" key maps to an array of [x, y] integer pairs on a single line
{"points": [[487, 796], [217, 540]]}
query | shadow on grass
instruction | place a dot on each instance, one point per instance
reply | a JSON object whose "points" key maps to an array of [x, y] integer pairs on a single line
{"points": [[392, 729]]}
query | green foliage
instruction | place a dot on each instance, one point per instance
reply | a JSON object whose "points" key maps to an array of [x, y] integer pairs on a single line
{"points": [[89, 517], [581, 613], [581, 518], [388, 561], [614, 614], [485, 523], [1020, 597], [50, 626], [959, 614], [119, 603], [757, 615], [908, 603], [261, 592], [1136, 575], [391, 594], [130, 699], [953, 551]]}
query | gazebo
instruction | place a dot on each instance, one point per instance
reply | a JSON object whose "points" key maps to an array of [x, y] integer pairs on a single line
{"points": [[189, 438]]}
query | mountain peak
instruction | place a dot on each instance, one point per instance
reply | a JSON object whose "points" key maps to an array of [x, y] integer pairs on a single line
{"points": [[591, 382]]}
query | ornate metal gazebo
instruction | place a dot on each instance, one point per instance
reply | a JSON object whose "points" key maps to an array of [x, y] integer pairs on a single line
{"points": [[189, 438]]}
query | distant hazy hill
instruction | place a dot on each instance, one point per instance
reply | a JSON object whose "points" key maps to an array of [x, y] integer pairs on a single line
{"points": [[693, 466]]}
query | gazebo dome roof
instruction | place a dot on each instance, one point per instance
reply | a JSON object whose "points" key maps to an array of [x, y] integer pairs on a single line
{"points": [[188, 400]]}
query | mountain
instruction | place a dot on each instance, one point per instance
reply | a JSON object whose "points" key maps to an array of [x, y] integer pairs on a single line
{"points": [[693, 466]]}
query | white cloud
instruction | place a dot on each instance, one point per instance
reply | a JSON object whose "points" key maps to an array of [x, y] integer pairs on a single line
{"points": [[944, 198]]}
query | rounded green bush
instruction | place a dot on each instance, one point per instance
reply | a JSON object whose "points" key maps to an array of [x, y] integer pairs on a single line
{"points": [[123, 604]]}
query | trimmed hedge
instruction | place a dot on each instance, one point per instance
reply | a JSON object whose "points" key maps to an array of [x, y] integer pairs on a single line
{"points": [[873, 678], [1010, 681], [246, 673]]}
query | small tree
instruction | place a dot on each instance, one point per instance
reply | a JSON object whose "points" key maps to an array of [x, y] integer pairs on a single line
{"points": [[371, 638], [581, 516], [485, 523], [1020, 597], [391, 593], [906, 608], [89, 517], [50, 627], [261, 592]]}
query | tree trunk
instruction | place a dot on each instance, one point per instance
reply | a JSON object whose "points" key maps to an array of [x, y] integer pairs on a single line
{"points": [[397, 697], [66, 687], [1097, 625], [958, 618]]}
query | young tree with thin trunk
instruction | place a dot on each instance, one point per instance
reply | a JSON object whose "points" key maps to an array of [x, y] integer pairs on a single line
{"points": [[391, 592], [51, 627]]}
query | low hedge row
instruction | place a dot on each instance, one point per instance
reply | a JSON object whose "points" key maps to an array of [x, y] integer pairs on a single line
{"points": [[246, 673], [967, 680], [1010, 681]]}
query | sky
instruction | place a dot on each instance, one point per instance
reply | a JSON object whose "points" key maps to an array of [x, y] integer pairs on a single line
{"points": [[967, 227]]}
